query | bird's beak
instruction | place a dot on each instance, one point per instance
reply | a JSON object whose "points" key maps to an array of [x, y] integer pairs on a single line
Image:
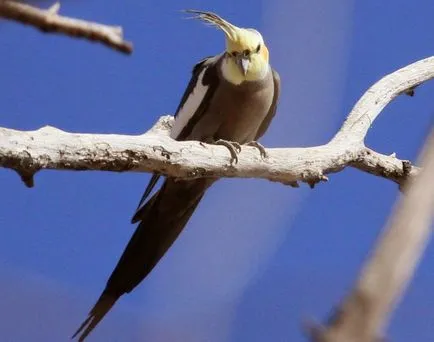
{"points": [[243, 63]]}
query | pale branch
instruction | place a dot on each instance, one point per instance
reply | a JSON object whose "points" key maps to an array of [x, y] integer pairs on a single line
{"points": [[154, 151], [364, 314], [50, 148], [50, 21], [388, 167], [377, 97]]}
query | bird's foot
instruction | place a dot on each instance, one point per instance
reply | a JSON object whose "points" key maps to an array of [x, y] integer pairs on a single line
{"points": [[260, 147], [233, 147]]}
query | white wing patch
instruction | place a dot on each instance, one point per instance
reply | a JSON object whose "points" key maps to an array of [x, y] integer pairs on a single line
{"points": [[190, 106]]}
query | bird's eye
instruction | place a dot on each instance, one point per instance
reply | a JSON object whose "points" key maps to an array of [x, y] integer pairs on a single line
{"points": [[246, 52], [258, 48], [234, 53]]}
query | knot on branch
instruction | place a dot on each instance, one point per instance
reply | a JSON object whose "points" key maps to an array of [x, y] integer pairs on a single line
{"points": [[198, 172], [406, 167], [23, 163], [410, 91], [162, 126], [164, 153], [401, 173], [313, 177]]}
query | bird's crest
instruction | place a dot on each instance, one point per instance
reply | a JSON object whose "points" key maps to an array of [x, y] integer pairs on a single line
{"points": [[238, 38], [213, 19]]}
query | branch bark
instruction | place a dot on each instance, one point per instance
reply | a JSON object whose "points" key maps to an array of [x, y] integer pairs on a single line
{"points": [[50, 148], [364, 314], [50, 21], [376, 98]]}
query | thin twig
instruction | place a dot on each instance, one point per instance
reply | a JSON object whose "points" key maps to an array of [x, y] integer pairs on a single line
{"points": [[50, 21], [378, 96]]}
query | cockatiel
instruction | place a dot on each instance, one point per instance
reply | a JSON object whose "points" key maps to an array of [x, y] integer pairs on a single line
{"points": [[230, 100]]}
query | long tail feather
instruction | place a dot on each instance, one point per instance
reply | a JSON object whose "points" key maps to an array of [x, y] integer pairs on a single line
{"points": [[163, 217], [100, 309]]}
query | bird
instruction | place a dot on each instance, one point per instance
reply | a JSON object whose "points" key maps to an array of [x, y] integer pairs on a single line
{"points": [[230, 100]]}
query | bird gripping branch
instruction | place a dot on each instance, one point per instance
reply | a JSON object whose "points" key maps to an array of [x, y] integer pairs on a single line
{"points": [[230, 100]]}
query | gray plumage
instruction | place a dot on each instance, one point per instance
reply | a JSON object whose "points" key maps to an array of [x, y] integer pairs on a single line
{"points": [[238, 113]]}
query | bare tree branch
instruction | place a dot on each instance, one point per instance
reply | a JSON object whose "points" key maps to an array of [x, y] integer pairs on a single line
{"points": [[50, 148], [364, 314], [50, 21], [376, 98]]}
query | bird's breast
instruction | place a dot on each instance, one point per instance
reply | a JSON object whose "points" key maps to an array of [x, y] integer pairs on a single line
{"points": [[242, 109], [234, 112]]}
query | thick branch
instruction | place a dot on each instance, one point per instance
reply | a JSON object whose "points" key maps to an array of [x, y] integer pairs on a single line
{"points": [[363, 316], [50, 21], [50, 148]]}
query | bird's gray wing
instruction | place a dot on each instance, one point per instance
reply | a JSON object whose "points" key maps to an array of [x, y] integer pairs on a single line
{"points": [[273, 108], [151, 184], [201, 87], [165, 214]]}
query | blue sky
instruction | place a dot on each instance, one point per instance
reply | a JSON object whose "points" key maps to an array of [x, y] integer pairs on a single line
{"points": [[257, 257]]}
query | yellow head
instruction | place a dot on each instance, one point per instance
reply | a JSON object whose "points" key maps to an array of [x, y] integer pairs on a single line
{"points": [[246, 54]]}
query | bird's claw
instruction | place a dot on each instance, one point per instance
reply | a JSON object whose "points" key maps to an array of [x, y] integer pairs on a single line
{"points": [[233, 147], [260, 147]]}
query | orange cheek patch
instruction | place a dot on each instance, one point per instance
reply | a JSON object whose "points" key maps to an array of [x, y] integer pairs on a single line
{"points": [[264, 52]]}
